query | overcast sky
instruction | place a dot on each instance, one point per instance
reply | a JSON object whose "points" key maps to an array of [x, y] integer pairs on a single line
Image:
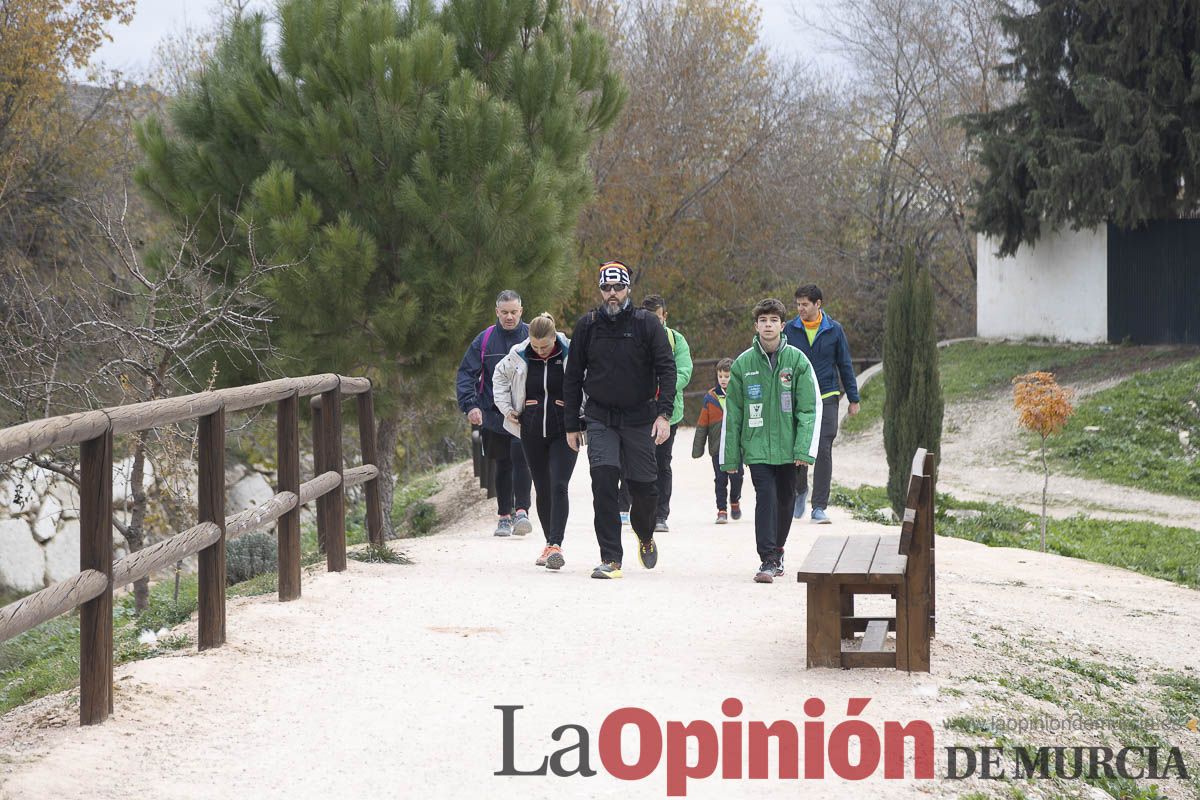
{"points": [[132, 47]]}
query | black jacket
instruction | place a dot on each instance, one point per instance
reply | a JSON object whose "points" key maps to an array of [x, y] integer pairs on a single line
{"points": [[621, 364], [476, 364]]}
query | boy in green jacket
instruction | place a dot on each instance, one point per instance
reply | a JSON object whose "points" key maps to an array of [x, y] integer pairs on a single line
{"points": [[772, 414]]}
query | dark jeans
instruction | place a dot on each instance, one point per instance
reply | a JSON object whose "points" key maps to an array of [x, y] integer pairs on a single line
{"points": [[663, 454], [823, 469], [727, 484], [774, 496], [614, 453], [512, 473], [551, 462]]}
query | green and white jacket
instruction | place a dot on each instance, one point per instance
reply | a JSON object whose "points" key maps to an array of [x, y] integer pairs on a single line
{"points": [[772, 413]]}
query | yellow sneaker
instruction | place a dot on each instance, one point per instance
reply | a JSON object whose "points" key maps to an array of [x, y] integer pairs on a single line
{"points": [[608, 570]]}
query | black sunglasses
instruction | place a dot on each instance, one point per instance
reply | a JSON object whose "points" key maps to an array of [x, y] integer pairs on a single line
{"points": [[612, 287]]}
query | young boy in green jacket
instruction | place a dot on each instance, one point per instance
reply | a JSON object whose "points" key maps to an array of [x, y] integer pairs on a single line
{"points": [[772, 416]]}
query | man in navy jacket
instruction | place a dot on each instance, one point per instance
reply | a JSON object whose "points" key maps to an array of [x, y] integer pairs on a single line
{"points": [[475, 399], [822, 339]]}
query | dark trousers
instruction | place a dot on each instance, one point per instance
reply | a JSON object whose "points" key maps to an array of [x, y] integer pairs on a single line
{"points": [[728, 486], [616, 452], [663, 454], [823, 469], [551, 462], [774, 495], [512, 473]]}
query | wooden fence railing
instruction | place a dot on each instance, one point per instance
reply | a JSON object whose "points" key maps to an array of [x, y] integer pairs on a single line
{"points": [[91, 590]]}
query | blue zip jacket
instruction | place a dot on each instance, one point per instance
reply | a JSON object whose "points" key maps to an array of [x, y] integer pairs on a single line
{"points": [[467, 382], [829, 354]]}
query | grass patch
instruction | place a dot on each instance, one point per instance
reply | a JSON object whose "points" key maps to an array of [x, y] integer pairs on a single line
{"points": [[972, 725], [1138, 443], [412, 515], [1159, 551], [976, 369], [45, 660], [1033, 687], [1180, 694], [379, 554], [863, 503], [1104, 674]]}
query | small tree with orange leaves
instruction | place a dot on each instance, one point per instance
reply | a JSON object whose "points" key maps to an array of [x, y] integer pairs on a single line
{"points": [[1044, 408]]}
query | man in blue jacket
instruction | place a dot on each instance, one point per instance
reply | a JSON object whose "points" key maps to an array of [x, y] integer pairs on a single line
{"points": [[822, 339], [475, 399]]}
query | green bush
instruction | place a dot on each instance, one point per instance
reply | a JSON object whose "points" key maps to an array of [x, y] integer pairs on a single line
{"points": [[250, 556], [420, 518]]}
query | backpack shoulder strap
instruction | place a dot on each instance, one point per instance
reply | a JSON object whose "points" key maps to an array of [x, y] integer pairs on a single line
{"points": [[487, 334]]}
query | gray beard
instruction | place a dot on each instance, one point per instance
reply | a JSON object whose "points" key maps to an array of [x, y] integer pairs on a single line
{"points": [[612, 314]]}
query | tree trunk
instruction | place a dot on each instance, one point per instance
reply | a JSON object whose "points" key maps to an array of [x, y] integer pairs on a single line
{"points": [[1045, 486], [136, 536], [387, 433]]}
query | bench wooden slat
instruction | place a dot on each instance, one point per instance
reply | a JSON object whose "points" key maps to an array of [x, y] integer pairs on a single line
{"points": [[915, 481], [823, 556], [888, 559], [857, 556], [856, 624], [855, 659], [874, 637]]}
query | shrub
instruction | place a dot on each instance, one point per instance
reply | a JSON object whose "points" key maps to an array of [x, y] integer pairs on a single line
{"points": [[250, 556]]}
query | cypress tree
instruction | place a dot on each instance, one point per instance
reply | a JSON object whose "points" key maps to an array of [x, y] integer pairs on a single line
{"points": [[407, 164], [912, 407], [1106, 123]]}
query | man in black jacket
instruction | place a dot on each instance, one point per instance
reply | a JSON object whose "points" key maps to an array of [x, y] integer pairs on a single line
{"points": [[620, 358], [475, 398]]}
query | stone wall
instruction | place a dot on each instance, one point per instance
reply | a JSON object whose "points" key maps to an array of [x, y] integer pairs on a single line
{"points": [[39, 519]]}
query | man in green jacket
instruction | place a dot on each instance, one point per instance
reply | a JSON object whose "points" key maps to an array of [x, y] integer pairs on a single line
{"points": [[655, 304], [772, 416]]}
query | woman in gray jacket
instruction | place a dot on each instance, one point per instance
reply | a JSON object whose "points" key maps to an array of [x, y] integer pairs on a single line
{"points": [[528, 390]]}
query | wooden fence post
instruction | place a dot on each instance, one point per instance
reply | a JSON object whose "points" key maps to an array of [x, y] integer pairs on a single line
{"points": [[370, 455], [212, 509], [331, 507], [931, 471], [95, 552], [318, 428], [287, 529]]}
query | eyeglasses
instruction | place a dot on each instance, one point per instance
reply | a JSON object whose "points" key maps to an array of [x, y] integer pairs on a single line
{"points": [[609, 288]]}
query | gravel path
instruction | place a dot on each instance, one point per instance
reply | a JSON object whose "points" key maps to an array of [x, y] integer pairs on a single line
{"points": [[381, 681], [983, 458]]}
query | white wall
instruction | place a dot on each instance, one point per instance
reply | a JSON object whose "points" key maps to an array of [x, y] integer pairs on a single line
{"points": [[1057, 289]]}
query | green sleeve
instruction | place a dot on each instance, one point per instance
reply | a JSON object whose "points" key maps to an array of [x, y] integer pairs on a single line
{"points": [[683, 363], [731, 430], [806, 400]]}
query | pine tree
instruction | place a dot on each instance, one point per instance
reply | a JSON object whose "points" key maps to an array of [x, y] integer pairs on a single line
{"points": [[1105, 127], [912, 407], [410, 164]]}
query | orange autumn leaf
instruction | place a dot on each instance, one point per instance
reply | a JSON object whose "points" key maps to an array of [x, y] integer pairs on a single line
{"points": [[1043, 406]]}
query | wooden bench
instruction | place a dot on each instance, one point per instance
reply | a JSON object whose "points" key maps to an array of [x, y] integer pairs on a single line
{"points": [[900, 565]]}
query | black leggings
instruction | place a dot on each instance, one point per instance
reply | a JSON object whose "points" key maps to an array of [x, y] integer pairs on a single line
{"points": [[551, 462], [512, 474]]}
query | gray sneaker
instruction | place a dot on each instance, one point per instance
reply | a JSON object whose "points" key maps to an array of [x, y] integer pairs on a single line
{"points": [[798, 509], [521, 524], [504, 527], [820, 517], [660, 526], [766, 573]]}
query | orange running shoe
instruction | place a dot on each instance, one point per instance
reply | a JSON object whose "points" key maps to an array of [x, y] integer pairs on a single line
{"points": [[541, 560], [555, 558]]}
